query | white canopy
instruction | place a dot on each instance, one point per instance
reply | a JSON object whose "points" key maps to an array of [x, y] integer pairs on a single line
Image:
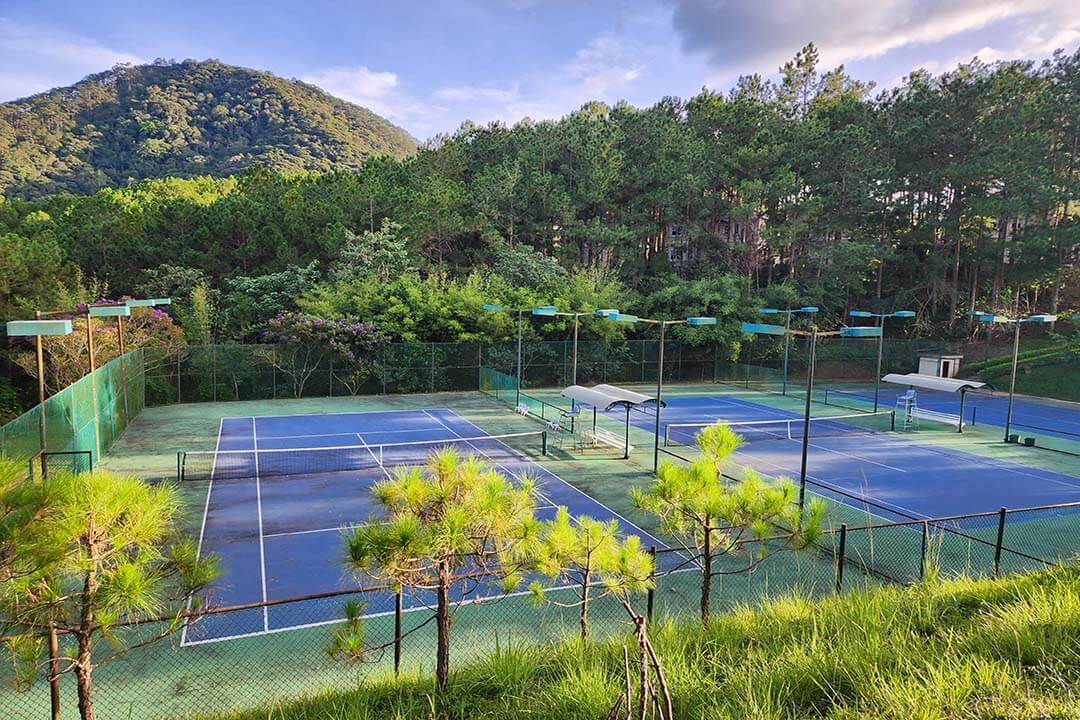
{"points": [[932, 382], [605, 397], [623, 394]]}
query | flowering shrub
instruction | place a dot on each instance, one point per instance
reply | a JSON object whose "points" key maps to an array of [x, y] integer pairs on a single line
{"points": [[304, 342]]}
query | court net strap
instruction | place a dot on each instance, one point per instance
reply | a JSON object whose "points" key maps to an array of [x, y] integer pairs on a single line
{"points": [[788, 429], [271, 462]]}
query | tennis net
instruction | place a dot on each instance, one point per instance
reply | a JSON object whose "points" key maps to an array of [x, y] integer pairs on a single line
{"points": [[196, 465], [787, 429]]}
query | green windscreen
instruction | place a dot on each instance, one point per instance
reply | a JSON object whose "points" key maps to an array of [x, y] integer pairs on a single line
{"points": [[89, 415]]}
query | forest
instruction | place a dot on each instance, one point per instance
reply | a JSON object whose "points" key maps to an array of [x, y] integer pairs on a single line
{"points": [[945, 194]]}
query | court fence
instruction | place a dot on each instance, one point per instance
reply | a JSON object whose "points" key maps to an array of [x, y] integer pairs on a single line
{"points": [[203, 373], [88, 416], [192, 675]]}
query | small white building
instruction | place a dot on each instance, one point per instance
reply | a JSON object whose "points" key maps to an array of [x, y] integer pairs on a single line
{"points": [[945, 366]]}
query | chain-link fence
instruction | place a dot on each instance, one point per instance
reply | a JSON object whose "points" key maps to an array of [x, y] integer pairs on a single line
{"points": [[217, 662], [89, 415]]}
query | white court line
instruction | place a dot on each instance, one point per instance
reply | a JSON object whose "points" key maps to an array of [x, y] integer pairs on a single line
{"points": [[869, 500], [206, 512], [320, 414], [627, 524], [258, 501], [853, 456], [339, 434]]}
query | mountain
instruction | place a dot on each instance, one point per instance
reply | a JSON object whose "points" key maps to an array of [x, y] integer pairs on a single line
{"points": [[181, 119]]}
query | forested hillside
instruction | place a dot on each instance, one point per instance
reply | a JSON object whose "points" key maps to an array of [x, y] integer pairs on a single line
{"points": [[181, 119], [948, 193]]}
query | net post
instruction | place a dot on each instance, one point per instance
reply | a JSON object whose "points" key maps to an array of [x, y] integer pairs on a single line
{"points": [[1000, 538], [543, 442], [840, 558], [397, 630], [649, 598], [179, 466], [892, 420]]}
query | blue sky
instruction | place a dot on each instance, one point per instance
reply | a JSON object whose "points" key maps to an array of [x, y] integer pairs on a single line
{"points": [[429, 65]]}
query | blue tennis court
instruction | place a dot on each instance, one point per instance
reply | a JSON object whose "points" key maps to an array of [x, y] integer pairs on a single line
{"points": [[281, 490], [860, 457], [1056, 419]]}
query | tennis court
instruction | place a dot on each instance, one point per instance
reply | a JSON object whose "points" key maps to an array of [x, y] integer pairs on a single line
{"points": [[1029, 416], [282, 488], [858, 456]]}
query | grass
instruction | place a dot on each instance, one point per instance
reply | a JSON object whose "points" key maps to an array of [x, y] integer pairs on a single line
{"points": [[955, 649], [1052, 381]]}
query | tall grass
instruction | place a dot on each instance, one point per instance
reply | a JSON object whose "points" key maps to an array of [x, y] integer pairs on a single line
{"points": [[940, 650]]}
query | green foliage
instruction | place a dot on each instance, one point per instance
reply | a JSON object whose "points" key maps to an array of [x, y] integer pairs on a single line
{"points": [[91, 553], [714, 516], [250, 301], [379, 256], [182, 119], [582, 552], [447, 524]]}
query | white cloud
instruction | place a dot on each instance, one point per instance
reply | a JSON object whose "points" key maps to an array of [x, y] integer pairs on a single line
{"points": [[737, 37], [37, 59], [603, 69]]}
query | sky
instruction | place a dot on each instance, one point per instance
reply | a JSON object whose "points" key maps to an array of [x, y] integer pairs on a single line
{"points": [[429, 65]]}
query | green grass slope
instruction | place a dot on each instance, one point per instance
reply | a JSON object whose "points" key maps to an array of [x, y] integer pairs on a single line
{"points": [[181, 119], [958, 649]]}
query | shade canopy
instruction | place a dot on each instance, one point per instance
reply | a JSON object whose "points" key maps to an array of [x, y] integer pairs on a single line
{"points": [[32, 328], [932, 382], [605, 397]]}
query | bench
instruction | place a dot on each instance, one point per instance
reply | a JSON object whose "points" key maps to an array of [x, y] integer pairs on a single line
{"points": [[606, 437], [935, 416]]}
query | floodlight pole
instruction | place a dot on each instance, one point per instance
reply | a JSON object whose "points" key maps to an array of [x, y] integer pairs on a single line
{"points": [[517, 393], [806, 421], [1012, 377], [988, 318], [787, 345]]}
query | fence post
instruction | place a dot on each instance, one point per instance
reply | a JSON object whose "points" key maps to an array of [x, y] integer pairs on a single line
{"points": [[397, 631], [840, 558], [652, 588], [432, 383], [1000, 538], [213, 369], [480, 366], [178, 398], [922, 551], [385, 369], [273, 372], [331, 390]]}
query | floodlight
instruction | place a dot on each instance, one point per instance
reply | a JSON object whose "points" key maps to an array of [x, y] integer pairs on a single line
{"points": [[768, 311], [622, 317], [493, 308], [1041, 318], [605, 312], [31, 328], [547, 310], [148, 302], [807, 309], [861, 331], [700, 321], [904, 314], [860, 313], [109, 311]]}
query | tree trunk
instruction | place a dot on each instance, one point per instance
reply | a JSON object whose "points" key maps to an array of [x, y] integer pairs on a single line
{"points": [[706, 570], [584, 616], [84, 666], [442, 622]]}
